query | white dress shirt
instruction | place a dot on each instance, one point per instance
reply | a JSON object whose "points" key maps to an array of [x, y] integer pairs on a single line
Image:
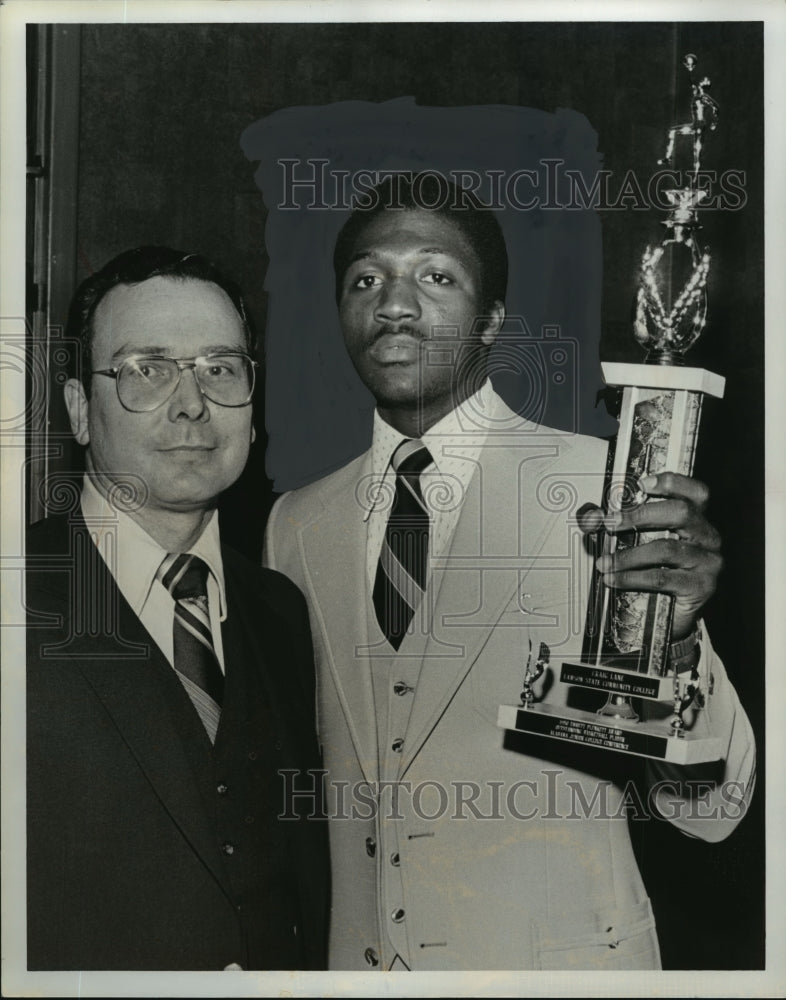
{"points": [[133, 559], [454, 443]]}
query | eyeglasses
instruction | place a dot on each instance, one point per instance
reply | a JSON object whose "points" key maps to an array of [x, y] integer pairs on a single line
{"points": [[146, 381]]}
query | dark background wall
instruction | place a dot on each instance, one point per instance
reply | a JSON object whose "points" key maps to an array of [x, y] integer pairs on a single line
{"points": [[161, 111]]}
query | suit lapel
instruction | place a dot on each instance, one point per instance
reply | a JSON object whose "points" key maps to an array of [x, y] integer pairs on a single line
{"points": [[146, 703], [252, 636], [493, 550], [334, 560]]}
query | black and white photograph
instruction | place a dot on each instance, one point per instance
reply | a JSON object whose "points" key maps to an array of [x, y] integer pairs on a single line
{"points": [[392, 468]]}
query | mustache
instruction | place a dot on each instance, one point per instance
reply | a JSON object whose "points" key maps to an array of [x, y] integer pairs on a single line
{"points": [[398, 328]]}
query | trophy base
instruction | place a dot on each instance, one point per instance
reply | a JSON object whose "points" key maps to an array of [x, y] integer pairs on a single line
{"points": [[655, 739]]}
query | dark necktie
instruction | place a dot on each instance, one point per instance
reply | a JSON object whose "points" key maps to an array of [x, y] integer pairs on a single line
{"points": [[403, 561], [185, 577]]}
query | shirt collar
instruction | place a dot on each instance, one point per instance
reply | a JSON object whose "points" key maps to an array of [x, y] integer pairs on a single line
{"points": [[133, 557], [465, 428]]}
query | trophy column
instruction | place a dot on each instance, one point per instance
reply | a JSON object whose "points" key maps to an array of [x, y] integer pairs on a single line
{"points": [[658, 430]]}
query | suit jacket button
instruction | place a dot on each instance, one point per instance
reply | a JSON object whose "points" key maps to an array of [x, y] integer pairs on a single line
{"points": [[371, 957], [397, 915], [371, 846], [398, 745], [228, 847], [233, 967], [395, 860], [400, 688], [222, 789]]}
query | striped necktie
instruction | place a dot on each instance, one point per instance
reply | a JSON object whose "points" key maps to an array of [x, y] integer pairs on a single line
{"points": [[185, 577], [403, 561]]}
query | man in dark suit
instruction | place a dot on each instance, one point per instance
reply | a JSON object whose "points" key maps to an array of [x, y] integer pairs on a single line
{"points": [[170, 681]]}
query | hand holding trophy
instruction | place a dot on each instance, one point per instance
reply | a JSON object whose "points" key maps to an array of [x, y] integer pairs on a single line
{"points": [[656, 557]]}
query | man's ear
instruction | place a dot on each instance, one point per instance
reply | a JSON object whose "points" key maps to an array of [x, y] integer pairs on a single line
{"points": [[77, 405], [493, 324]]}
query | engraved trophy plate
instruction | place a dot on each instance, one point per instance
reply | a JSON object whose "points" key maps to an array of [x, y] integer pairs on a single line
{"points": [[649, 710], [640, 739]]}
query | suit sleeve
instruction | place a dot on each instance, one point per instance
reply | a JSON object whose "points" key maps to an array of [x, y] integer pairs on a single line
{"points": [[268, 546], [279, 552], [279, 547], [704, 801]]}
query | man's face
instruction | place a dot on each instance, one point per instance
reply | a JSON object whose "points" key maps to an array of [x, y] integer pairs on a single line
{"points": [[410, 303], [188, 450]]}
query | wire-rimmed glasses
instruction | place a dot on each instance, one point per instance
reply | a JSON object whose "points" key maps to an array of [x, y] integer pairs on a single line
{"points": [[146, 381]]}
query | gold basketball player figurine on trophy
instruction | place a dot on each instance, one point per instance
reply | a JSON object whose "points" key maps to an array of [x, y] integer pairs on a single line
{"points": [[627, 634]]}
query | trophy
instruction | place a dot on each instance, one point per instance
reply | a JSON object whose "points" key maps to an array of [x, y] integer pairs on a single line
{"points": [[624, 657]]}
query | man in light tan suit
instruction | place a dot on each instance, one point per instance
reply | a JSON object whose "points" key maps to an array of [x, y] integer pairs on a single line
{"points": [[455, 846]]}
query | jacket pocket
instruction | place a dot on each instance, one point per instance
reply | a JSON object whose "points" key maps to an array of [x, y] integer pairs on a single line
{"points": [[601, 939]]}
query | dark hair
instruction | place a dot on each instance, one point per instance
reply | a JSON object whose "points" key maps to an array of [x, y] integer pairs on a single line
{"points": [[432, 192], [130, 268]]}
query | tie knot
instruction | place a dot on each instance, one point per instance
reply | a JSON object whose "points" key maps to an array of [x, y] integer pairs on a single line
{"points": [[184, 575], [411, 458]]}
